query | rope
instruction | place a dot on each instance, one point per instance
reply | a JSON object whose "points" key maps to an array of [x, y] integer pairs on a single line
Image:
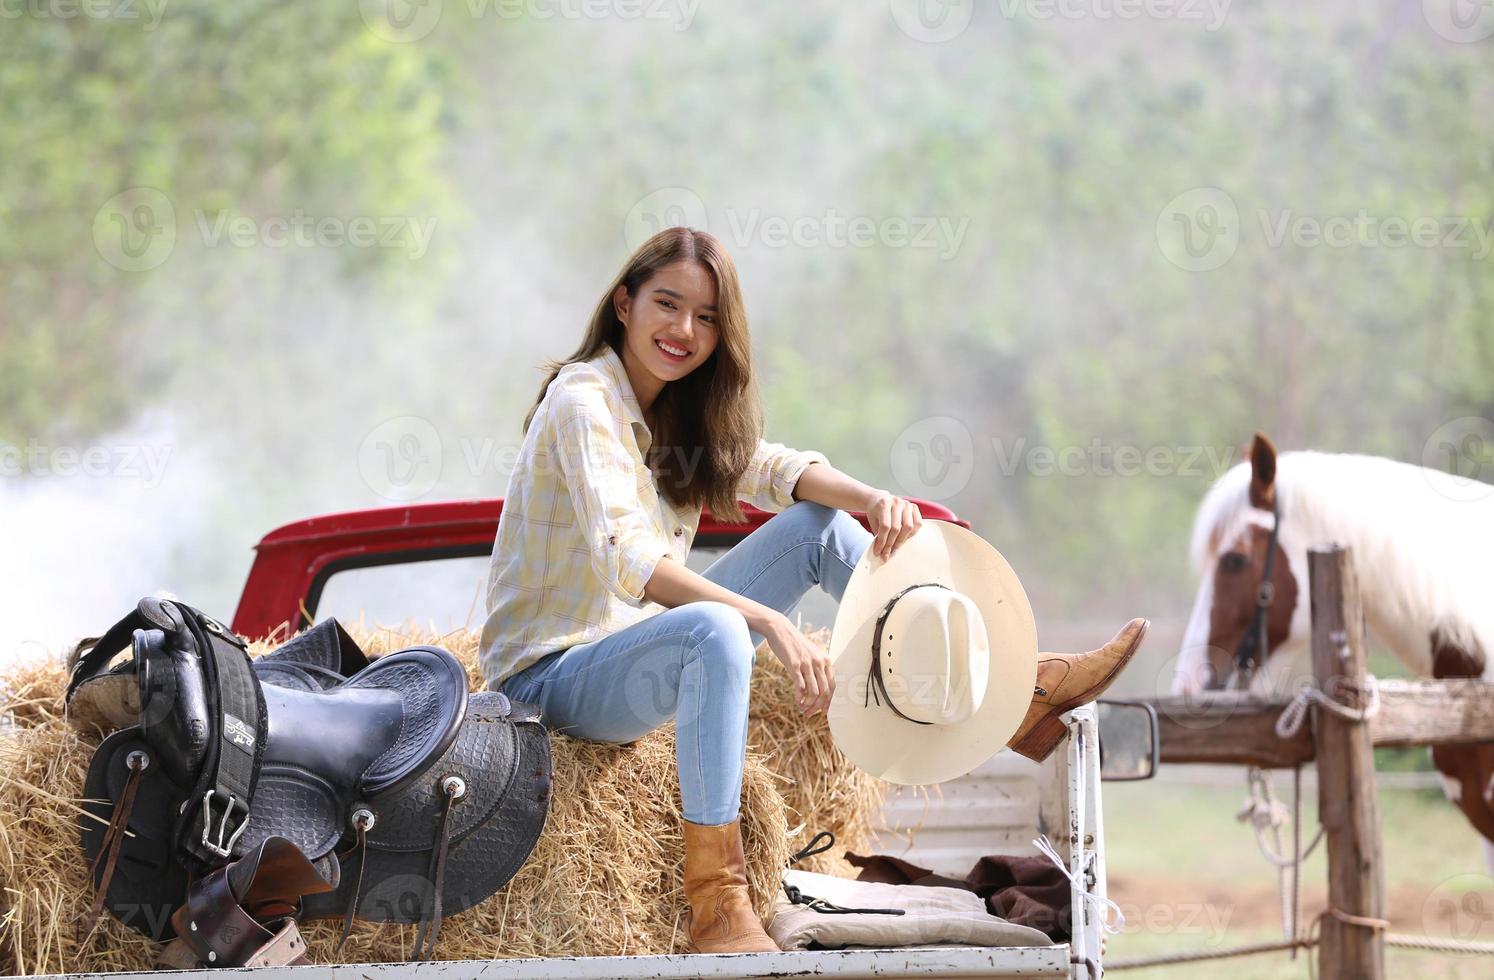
{"points": [[1435, 945], [1265, 811], [1423, 943], [1295, 713], [1167, 959], [1043, 844], [1298, 857]]}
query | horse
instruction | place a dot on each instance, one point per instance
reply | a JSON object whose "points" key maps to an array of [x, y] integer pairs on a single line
{"points": [[1420, 544]]}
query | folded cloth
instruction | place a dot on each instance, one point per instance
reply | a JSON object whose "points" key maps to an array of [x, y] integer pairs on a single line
{"points": [[1028, 891], [929, 915]]}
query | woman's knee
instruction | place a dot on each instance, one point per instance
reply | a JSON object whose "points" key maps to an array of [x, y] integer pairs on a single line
{"points": [[720, 633], [825, 521], [812, 514]]}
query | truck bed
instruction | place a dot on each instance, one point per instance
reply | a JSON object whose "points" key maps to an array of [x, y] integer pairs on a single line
{"points": [[932, 961]]}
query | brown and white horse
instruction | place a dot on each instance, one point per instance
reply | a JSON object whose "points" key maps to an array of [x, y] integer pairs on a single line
{"points": [[1421, 543]]}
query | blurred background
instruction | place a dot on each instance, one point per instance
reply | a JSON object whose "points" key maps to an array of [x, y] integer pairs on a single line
{"points": [[1047, 262]]}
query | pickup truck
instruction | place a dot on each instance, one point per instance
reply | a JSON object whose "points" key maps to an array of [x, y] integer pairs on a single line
{"points": [[427, 562]]}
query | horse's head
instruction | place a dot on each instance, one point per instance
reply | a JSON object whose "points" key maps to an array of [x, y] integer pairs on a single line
{"points": [[1248, 595]]}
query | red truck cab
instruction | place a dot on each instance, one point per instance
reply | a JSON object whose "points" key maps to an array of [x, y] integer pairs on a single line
{"points": [[294, 564]]}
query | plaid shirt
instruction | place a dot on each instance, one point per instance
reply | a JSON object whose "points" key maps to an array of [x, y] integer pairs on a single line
{"points": [[584, 522]]}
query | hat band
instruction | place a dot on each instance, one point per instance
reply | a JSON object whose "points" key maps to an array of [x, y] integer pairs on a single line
{"points": [[875, 688]]}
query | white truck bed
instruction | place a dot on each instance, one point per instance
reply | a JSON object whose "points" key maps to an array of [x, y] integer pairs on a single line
{"points": [[944, 961], [997, 809]]}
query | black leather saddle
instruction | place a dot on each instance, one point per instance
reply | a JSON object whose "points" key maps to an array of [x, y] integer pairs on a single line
{"points": [[411, 797]]}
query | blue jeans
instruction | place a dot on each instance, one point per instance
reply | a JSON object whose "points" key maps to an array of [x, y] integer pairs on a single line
{"points": [[694, 662]]}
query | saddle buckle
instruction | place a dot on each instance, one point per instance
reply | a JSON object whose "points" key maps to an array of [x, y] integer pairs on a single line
{"points": [[221, 849]]}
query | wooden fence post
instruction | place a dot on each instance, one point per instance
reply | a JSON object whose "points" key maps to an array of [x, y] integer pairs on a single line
{"points": [[1347, 804]]}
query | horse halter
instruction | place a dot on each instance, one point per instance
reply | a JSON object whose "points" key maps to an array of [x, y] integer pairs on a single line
{"points": [[1251, 652]]}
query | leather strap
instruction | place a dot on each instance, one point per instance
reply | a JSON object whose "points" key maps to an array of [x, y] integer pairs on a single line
{"points": [[875, 687], [217, 811], [92, 663], [287, 948], [113, 842], [238, 915], [1253, 644], [361, 826], [453, 788], [218, 930], [827, 907]]}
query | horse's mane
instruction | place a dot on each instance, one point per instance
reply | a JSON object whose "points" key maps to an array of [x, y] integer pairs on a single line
{"points": [[1421, 548]]}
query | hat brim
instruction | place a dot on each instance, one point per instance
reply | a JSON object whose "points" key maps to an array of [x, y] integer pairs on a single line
{"points": [[901, 751]]}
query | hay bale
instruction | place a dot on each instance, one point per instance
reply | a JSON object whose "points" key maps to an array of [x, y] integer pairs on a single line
{"points": [[604, 878]]}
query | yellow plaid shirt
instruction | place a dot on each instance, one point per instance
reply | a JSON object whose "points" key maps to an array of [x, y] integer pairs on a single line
{"points": [[584, 522]]}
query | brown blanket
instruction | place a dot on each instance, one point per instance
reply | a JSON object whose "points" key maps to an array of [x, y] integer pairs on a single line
{"points": [[1029, 891]]}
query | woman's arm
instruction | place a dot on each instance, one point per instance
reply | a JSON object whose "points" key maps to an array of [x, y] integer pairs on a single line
{"points": [[893, 519], [673, 584], [824, 484]]}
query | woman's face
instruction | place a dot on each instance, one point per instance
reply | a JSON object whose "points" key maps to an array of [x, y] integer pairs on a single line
{"points": [[673, 312]]}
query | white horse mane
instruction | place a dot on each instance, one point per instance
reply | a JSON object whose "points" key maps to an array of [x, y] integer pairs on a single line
{"points": [[1421, 546]]}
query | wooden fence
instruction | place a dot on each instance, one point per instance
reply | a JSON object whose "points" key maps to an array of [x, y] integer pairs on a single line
{"points": [[1232, 728]]}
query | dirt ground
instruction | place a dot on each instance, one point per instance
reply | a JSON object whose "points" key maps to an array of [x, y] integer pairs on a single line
{"points": [[1189, 877]]}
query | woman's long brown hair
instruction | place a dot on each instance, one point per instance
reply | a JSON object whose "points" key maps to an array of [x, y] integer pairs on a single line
{"points": [[708, 423]]}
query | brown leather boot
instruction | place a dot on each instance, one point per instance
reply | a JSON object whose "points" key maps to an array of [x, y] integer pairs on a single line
{"points": [[721, 916], [1067, 680]]}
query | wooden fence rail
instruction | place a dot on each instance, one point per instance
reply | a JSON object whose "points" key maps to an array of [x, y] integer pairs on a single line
{"points": [[1228, 728]]}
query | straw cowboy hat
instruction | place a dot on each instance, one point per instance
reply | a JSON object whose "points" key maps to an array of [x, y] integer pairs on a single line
{"points": [[952, 636]]}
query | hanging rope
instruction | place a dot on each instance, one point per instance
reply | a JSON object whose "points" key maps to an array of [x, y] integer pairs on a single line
{"points": [[1043, 844], [1266, 812]]}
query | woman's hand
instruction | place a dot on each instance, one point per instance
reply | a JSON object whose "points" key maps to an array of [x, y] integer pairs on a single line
{"points": [[808, 664], [893, 520]]}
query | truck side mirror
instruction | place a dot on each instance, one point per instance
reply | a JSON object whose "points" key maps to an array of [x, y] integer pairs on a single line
{"points": [[1129, 745]]}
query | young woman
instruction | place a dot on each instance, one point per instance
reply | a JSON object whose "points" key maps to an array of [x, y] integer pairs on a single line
{"points": [[592, 612]]}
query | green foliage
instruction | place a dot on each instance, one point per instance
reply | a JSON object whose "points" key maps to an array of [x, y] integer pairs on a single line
{"points": [[264, 110], [1056, 320]]}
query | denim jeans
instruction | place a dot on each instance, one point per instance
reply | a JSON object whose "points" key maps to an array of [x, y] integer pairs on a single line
{"points": [[694, 662]]}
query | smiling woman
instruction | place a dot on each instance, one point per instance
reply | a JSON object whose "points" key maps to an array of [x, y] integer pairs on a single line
{"points": [[593, 612]]}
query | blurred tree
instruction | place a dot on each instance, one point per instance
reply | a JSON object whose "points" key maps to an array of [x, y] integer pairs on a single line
{"points": [[271, 111]]}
